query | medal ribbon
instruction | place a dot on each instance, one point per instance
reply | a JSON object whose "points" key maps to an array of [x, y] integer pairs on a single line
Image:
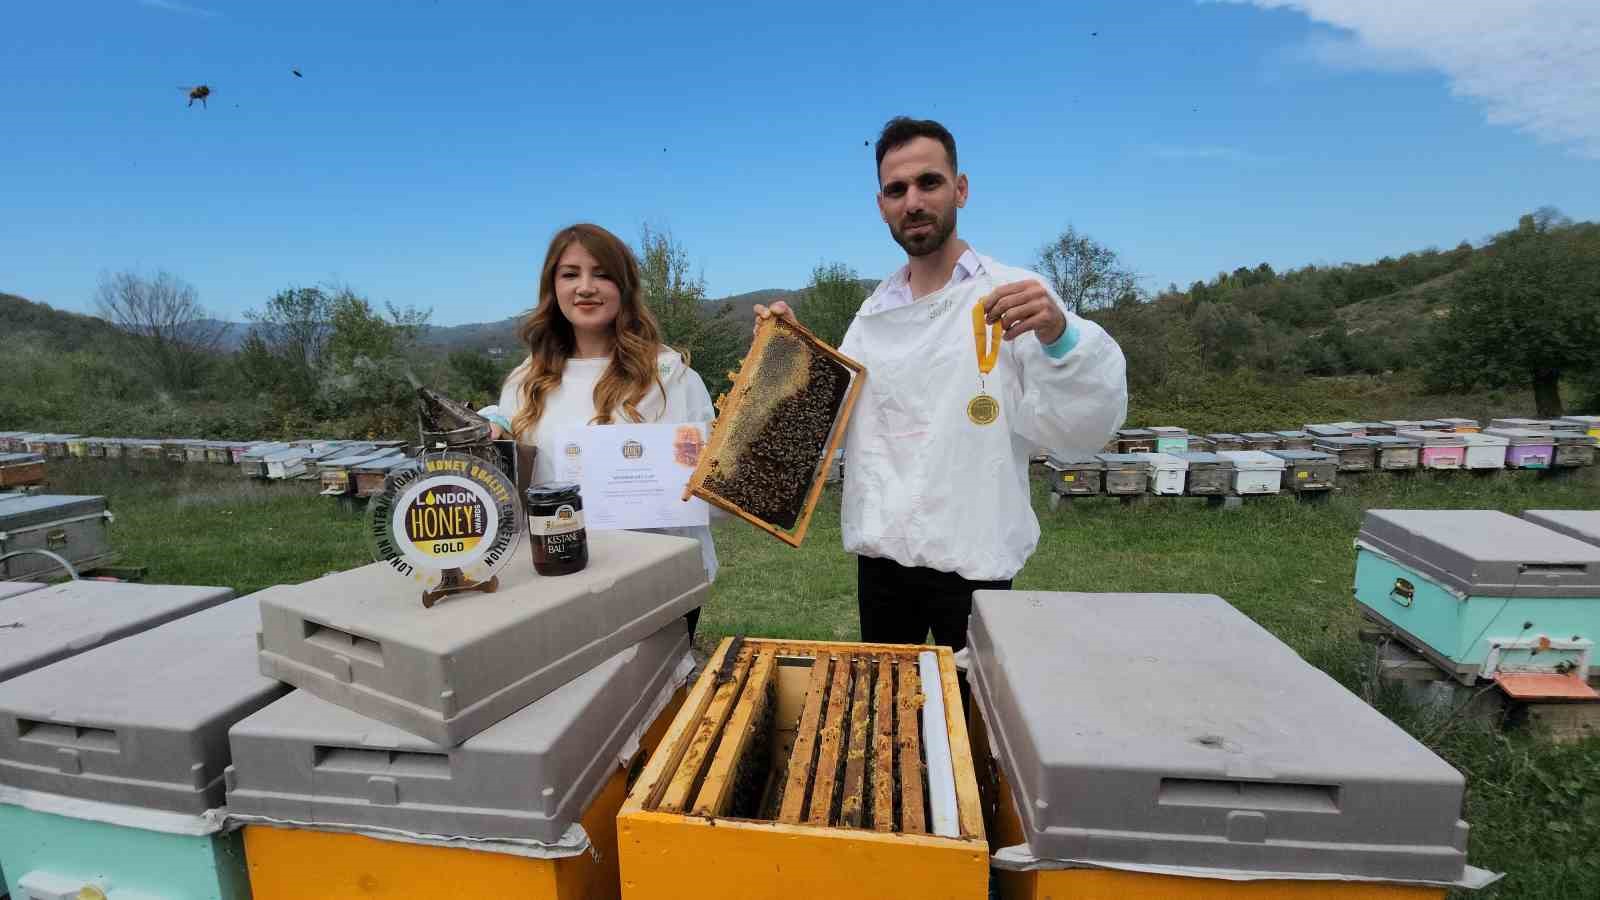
{"points": [[988, 353]]}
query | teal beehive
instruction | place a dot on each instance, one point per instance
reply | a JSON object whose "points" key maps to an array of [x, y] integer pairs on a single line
{"points": [[111, 760], [1480, 592]]}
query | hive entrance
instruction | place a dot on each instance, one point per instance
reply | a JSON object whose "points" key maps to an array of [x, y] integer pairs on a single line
{"points": [[777, 428], [831, 740]]}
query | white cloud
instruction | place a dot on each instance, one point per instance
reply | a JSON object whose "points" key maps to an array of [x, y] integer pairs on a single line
{"points": [[184, 8], [1532, 64]]}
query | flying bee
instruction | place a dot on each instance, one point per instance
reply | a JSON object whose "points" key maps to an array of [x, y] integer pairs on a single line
{"points": [[198, 92]]}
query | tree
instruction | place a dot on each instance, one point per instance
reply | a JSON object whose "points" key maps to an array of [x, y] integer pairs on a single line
{"points": [[1224, 335], [356, 330], [293, 328], [710, 337], [1526, 312], [479, 375], [1085, 274], [830, 301], [164, 314]]}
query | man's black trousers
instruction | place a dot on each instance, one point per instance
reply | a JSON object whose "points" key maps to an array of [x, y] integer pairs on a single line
{"points": [[900, 605]]}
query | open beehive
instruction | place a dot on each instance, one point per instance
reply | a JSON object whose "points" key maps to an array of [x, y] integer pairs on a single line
{"points": [[777, 428], [810, 767]]}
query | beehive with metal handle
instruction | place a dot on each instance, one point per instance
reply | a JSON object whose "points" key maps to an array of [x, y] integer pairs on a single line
{"points": [[1209, 475], [1354, 454], [75, 528], [19, 469], [1572, 448], [1073, 476]]}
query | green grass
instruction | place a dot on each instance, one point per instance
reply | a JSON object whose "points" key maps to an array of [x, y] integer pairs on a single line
{"points": [[207, 525], [1534, 808]]}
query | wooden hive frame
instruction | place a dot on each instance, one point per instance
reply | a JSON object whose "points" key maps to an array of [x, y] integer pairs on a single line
{"points": [[679, 835], [730, 404]]}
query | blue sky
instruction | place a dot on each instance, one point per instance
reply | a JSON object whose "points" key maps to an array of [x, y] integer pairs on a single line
{"points": [[431, 148]]}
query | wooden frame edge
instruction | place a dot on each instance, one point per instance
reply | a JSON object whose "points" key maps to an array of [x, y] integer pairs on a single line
{"points": [[969, 802], [930, 841], [667, 753]]}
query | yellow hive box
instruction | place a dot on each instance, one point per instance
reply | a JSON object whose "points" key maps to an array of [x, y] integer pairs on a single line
{"points": [[726, 808], [1005, 830], [290, 864]]}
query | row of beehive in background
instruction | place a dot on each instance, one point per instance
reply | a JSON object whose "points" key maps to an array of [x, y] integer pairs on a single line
{"points": [[342, 467], [484, 748], [335, 738], [1186, 464], [1170, 461]]}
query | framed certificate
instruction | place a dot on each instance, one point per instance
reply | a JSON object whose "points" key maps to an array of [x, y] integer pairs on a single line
{"points": [[633, 476]]}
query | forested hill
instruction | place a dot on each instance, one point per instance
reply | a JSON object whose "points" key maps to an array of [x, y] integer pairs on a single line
{"points": [[22, 319], [1318, 320]]}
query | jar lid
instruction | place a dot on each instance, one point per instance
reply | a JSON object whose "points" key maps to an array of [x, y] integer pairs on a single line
{"points": [[552, 492]]}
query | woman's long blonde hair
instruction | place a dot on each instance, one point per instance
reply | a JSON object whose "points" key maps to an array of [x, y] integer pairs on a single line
{"points": [[550, 340]]}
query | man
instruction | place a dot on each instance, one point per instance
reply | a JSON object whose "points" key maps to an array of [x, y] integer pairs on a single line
{"points": [[971, 364]]}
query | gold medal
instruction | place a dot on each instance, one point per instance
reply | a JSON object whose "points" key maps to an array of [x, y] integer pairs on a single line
{"points": [[984, 409]]}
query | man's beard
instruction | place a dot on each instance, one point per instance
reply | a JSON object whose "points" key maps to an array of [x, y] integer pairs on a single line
{"points": [[929, 242]]}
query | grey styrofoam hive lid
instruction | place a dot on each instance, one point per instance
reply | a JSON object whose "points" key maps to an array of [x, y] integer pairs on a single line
{"points": [[1522, 436], [13, 588], [1125, 460], [1347, 442], [383, 464], [1205, 742], [1326, 431], [530, 775], [63, 620], [1485, 552], [1394, 442], [363, 640], [260, 451], [1251, 460], [1073, 461], [1301, 456], [1434, 438], [36, 509], [1198, 459], [142, 721], [1580, 524]]}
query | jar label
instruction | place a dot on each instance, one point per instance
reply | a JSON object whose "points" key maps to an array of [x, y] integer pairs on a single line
{"points": [[559, 538], [564, 520]]}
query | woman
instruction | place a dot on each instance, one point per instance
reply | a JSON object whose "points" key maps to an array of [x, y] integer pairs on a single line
{"points": [[595, 357]]}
